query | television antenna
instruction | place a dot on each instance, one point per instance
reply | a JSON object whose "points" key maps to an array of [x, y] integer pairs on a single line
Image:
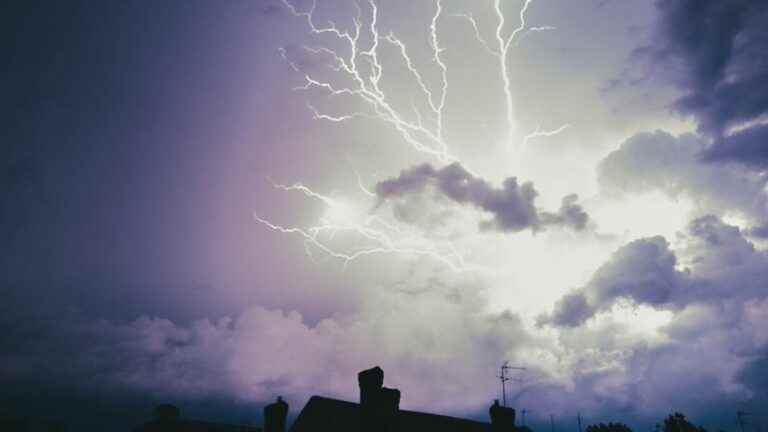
{"points": [[504, 377]]}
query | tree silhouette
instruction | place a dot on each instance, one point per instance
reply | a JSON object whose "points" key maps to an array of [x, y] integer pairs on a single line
{"points": [[678, 423], [610, 427]]}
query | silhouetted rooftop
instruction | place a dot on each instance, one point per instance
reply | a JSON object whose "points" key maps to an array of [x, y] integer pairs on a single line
{"points": [[192, 426], [326, 414]]}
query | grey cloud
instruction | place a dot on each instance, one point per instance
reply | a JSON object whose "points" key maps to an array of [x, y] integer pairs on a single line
{"points": [[570, 311], [512, 205], [758, 231], [748, 147], [755, 374], [660, 161], [717, 319], [723, 50], [570, 214], [721, 265], [642, 271]]}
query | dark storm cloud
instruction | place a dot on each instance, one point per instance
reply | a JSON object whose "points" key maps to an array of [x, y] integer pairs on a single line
{"points": [[512, 205], [722, 265], [749, 146], [722, 50], [755, 374]]}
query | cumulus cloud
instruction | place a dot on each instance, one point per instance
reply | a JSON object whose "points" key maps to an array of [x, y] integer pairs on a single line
{"points": [[721, 49], [713, 264], [711, 285], [660, 161], [570, 214], [512, 205], [642, 271], [261, 353]]}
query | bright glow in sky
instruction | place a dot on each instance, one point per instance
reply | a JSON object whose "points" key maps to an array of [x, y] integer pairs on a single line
{"points": [[515, 266]]}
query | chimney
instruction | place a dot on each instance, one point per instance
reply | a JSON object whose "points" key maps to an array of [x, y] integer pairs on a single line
{"points": [[275, 415], [370, 382], [379, 405], [502, 418]]}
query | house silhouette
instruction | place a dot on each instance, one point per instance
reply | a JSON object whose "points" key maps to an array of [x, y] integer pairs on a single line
{"points": [[167, 418], [377, 411]]}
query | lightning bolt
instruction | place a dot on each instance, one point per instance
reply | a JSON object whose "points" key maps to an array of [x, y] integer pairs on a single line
{"points": [[478, 35], [502, 52], [367, 87], [358, 70], [542, 133], [378, 235]]}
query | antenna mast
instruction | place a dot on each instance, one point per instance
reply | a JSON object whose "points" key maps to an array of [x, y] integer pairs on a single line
{"points": [[505, 367]]}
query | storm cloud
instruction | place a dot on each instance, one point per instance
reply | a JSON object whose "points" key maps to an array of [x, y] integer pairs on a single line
{"points": [[710, 282], [642, 271], [512, 205], [714, 264], [719, 54]]}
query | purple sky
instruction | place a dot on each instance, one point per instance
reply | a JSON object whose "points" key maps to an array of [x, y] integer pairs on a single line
{"points": [[191, 215]]}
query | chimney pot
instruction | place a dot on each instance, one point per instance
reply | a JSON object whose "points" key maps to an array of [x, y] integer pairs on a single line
{"points": [[370, 382], [275, 415], [379, 405]]}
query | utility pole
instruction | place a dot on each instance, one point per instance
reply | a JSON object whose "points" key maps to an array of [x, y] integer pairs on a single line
{"points": [[505, 367]]}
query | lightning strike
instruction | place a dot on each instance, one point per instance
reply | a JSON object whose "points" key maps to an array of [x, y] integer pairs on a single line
{"points": [[377, 235], [504, 44], [542, 133], [443, 68], [360, 70], [503, 49], [478, 35], [367, 87]]}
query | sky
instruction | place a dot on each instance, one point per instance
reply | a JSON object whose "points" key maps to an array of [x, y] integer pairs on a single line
{"points": [[213, 204]]}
